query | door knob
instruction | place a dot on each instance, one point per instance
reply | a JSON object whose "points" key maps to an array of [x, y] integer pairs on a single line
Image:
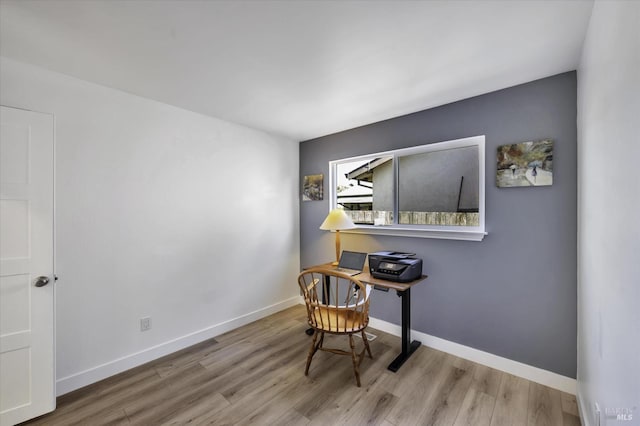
{"points": [[42, 281]]}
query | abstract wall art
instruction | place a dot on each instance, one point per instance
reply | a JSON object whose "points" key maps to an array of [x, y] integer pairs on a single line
{"points": [[312, 189], [525, 164]]}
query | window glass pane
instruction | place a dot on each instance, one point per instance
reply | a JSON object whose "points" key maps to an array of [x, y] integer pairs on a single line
{"points": [[364, 189], [439, 188]]}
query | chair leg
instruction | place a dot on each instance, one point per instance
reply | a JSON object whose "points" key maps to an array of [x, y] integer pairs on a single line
{"points": [[312, 350], [366, 343], [354, 360]]}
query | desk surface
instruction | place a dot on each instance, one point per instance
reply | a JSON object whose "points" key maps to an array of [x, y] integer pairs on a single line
{"points": [[367, 278]]}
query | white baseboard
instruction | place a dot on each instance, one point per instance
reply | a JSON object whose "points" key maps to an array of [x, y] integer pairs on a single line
{"points": [[585, 418], [535, 374], [100, 372]]}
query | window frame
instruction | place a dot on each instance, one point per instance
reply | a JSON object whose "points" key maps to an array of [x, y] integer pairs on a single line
{"points": [[451, 232]]}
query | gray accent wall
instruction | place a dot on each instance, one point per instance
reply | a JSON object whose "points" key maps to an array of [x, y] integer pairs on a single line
{"points": [[512, 294]]}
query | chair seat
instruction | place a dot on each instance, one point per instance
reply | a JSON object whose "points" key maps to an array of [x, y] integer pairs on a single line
{"points": [[338, 320]]}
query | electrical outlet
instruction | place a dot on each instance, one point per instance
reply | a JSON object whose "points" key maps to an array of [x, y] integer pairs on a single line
{"points": [[597, 414], [145, 324]]}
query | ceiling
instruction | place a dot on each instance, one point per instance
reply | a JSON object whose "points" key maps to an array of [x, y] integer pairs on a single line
{"points": [[300, 69]]}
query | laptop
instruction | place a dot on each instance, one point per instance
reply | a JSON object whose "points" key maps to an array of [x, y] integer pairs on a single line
{"points": [[351, 262]]}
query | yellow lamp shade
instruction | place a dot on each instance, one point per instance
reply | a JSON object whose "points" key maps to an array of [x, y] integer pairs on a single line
{"points": [[336, 220]]}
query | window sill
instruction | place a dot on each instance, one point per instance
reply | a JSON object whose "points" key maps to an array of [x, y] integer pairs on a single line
{"points": [[398, 231]]}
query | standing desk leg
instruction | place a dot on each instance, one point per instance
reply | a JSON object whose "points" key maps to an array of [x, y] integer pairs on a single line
{"points": [[408, 347]]}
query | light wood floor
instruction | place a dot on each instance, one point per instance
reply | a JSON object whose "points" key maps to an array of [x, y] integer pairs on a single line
{"points": [[255, 375]]}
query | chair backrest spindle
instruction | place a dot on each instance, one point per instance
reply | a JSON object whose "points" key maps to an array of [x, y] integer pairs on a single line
{"points": [[324, 290]]}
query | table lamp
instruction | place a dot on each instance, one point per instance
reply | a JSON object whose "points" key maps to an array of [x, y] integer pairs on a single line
{"points": [[337, 220]]}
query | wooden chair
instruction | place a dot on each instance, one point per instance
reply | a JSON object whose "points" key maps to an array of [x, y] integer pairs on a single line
{"points": [[338, 305]]}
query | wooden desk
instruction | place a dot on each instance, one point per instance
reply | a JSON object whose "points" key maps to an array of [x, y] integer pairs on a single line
{"points": [[403, 290]]}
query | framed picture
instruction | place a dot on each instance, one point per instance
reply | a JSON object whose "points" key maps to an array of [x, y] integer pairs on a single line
{"points": [[525, 164], [312, 189]]}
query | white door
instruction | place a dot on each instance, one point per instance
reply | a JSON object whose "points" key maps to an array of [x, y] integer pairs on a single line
{"points": [[27, 387]]}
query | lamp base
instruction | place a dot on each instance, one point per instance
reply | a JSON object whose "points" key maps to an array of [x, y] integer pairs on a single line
{"points": [[334, 263]]}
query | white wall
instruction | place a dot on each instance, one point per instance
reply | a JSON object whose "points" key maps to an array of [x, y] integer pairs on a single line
{"points": [[609, 212], [161, 212]]}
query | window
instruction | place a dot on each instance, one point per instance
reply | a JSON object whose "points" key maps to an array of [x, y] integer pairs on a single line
{"points": [[433, 191]]}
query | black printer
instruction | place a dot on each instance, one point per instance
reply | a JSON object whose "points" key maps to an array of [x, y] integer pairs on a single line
{"points": [[395, 266]]}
